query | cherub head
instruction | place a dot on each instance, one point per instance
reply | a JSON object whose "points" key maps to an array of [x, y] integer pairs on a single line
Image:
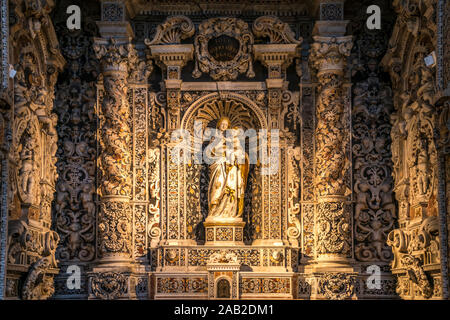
{"points": [[223, 124]]}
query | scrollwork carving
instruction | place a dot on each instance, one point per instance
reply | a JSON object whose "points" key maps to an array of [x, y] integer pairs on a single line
{"points": [[333, 228], [417, 275], [415, 249], [172, 31], [276, 30], [154, 229], [234, 41], [375, 212], [39, 282], [75, 103], [114, 228], [108, 285], [337, 286], [294, 177]]}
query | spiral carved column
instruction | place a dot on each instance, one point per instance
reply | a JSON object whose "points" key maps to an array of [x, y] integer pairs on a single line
{"points": [[115, 215], [332, 159]]}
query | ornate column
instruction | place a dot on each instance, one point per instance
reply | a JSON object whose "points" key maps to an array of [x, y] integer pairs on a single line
{"points": [[114, 220], [29, 184], [332, 180], [418, 242], [111, 276]]}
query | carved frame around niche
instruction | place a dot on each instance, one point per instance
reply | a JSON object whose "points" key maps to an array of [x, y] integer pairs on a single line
{"points": [[223, 70]]}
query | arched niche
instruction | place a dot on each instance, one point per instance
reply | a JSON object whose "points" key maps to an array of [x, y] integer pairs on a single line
{"points": [[223, 288], [243, 113]]}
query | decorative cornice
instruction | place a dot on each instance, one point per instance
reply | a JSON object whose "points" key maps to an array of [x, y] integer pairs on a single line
{"points": [[224, 7], [275, 55], [172, 55]]}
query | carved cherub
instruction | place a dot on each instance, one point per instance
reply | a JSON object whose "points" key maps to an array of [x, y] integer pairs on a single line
{"points": [[89, 101], [223, 257], [376, 232], [87, 199], [62, 197], [387, 199], [75, 233], [27, 157], [362, 197], [422, 167]]}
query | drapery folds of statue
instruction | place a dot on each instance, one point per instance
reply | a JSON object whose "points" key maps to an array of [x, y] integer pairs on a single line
{"points": [[228, 175]]}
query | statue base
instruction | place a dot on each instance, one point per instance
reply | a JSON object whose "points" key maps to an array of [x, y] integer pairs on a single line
{"points": [[224, 232]]}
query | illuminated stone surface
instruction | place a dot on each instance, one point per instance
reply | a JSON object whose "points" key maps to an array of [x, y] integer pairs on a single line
{"points": [[356, 180]]}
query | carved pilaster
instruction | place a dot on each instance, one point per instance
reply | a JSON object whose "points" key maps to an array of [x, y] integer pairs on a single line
{"points": [[277, 55], [4, 47], [332, 162], [172, 56]]}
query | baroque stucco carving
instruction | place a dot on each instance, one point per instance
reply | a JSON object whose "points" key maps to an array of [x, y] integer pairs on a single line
{"points": [[172, 31], [375, 211], [39, 284], [236, 39], [413, 249], [75, 104], [328, 56], [416, 244], [36, 58], [147, 203], [332, 146], [108, 285], [276, 30], [336, 286], [114, 220]]}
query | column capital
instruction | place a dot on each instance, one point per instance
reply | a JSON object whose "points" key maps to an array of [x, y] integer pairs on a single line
{"points": [[115, 55], [328, 54]]}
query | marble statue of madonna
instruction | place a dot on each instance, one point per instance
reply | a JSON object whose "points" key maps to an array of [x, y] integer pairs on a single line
{"points": [[228, 175]]}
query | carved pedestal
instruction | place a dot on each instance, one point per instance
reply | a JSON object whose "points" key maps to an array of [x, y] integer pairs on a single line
{"points": [[224, 233]]}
